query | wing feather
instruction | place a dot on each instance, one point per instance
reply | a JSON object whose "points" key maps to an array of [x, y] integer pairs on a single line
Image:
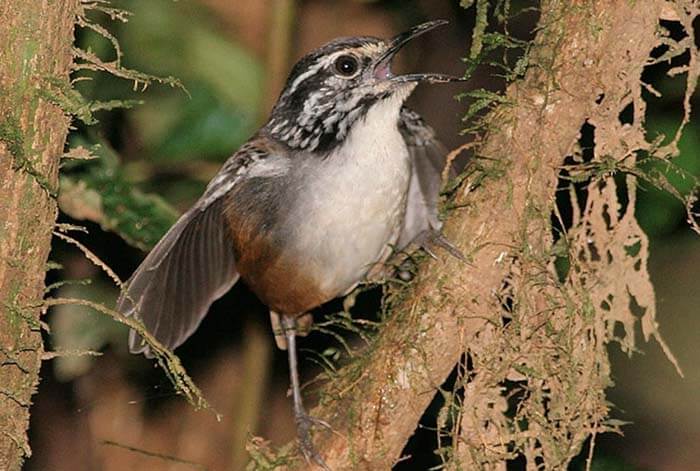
{"points": [[428, 158], [184, 274], [190, 267]]}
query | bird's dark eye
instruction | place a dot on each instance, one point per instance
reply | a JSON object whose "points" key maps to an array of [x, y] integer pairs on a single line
{"points": [[346, 66]]}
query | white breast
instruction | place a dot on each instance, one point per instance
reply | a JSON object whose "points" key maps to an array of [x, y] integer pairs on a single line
{"points": [[355, 201]]}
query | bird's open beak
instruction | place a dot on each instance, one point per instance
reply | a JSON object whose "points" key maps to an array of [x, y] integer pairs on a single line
{"points": [[382, 69]]}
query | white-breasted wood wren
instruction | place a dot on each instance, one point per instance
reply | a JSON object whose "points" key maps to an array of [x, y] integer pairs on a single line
{"points": [[341, 174]]}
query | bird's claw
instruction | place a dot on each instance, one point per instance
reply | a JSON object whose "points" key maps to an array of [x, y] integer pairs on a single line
{"points": [[432, 237], [305, 423]]}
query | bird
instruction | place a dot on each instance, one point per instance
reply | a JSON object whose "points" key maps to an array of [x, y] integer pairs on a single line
{"points": [[340, 176]]}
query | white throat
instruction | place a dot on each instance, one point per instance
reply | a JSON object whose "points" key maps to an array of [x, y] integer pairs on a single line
{"points": [[356, 199]]}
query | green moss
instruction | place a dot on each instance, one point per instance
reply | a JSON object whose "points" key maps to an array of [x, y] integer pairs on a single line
{"points": [[13, 137], [11, 134], [17, 315]]}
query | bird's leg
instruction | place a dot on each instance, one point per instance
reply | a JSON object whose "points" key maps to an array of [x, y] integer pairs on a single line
{"points": [[303, 420]]}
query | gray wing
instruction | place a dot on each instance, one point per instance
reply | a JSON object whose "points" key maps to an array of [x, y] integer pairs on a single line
{"points": [[428, 157], [191, 267]]}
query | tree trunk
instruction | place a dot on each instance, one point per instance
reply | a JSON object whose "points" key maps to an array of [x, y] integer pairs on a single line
{"points": [[584, 66], [36, 38]]}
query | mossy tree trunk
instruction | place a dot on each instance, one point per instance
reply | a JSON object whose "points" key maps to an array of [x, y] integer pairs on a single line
{"points": [[36, 38]]}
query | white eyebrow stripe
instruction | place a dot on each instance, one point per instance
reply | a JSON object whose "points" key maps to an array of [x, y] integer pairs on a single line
{"points": [[312, 71], [321, 63]]}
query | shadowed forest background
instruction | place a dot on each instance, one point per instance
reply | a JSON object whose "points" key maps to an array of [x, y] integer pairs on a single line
{"points": [[104, 412]]}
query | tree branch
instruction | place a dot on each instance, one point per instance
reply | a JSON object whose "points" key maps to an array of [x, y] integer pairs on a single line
{"points": [[584, 52]]}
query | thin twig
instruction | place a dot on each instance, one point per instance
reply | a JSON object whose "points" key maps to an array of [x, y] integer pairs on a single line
{"points": [[153, 454]]}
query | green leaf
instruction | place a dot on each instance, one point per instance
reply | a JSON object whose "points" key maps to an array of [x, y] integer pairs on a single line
{"points": [[96, 190], [179, 40], [202, 128], [658, 211], [225, 82]]}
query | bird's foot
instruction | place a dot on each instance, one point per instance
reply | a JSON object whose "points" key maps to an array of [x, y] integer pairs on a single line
{"points": [[305, 423], [434, 238]]}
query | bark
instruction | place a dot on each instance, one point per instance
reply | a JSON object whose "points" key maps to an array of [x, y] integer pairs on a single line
{"points": [[36, 40], [584, 50]]}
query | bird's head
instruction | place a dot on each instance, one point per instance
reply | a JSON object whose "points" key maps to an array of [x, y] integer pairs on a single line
{"points": [[332, 87]]}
